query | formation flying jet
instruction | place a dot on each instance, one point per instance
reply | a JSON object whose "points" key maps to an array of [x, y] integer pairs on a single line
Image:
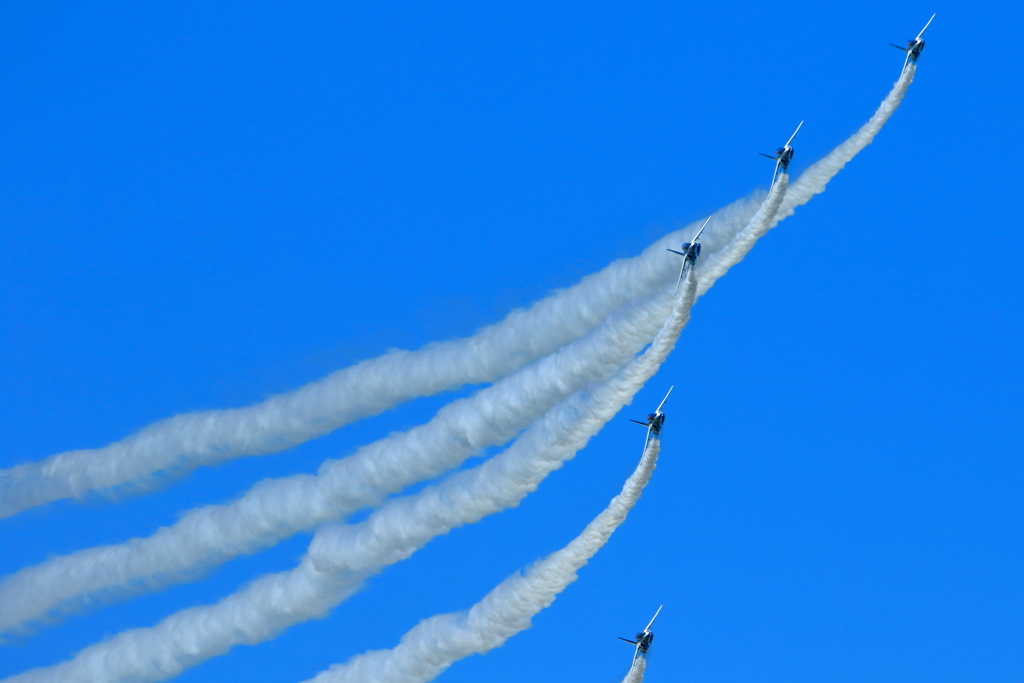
{"points": [[643, 639], [690, 252], [914, 47], [654, 422], [783, 155]]}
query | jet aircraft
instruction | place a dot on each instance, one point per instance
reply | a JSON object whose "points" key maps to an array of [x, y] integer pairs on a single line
{"points": [[654, 423], [914, 47], [783, 155], [690, 252], [643, 639]]}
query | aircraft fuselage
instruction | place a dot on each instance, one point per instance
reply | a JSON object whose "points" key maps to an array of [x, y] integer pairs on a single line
{"points": [[644, 640], [784, 155], [691, 251], [914, 47], [656, 420]]}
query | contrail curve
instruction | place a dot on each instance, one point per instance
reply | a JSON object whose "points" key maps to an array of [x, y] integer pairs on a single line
{"points": [[191, 440], [276, 509], [813, 180], [436, 643], [340, 557]]}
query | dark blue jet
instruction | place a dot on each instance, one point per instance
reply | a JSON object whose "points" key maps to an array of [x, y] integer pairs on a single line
{"points": [[654, 422], [690, 252], [643, 639], [783, 155], [914, 46]]}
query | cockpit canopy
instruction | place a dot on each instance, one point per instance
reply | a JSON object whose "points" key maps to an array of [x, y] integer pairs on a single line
{"points": [[691, 255]]}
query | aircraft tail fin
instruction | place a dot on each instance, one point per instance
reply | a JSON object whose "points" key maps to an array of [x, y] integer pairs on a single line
{"points": [[631, 642]]}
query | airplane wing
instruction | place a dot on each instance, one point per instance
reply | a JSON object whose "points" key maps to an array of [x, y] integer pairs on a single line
{"points": [[647, 441], [906, 62], [636, 652], [695, 237], [925, 28], [653, 618], [794, 133], [682, 269], [662, 404], [775, 176]]}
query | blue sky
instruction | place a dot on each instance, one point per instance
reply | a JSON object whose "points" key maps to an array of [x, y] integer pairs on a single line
{"points": [[204, 205]]}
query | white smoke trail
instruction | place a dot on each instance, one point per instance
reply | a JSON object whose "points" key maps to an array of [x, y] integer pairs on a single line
{"points": [[276, 509], [813, 180], [819, 173], [438, 642], [719, 263], [367, 388], [188, 441], [835, 162], [636, 674], [340, 557]]}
